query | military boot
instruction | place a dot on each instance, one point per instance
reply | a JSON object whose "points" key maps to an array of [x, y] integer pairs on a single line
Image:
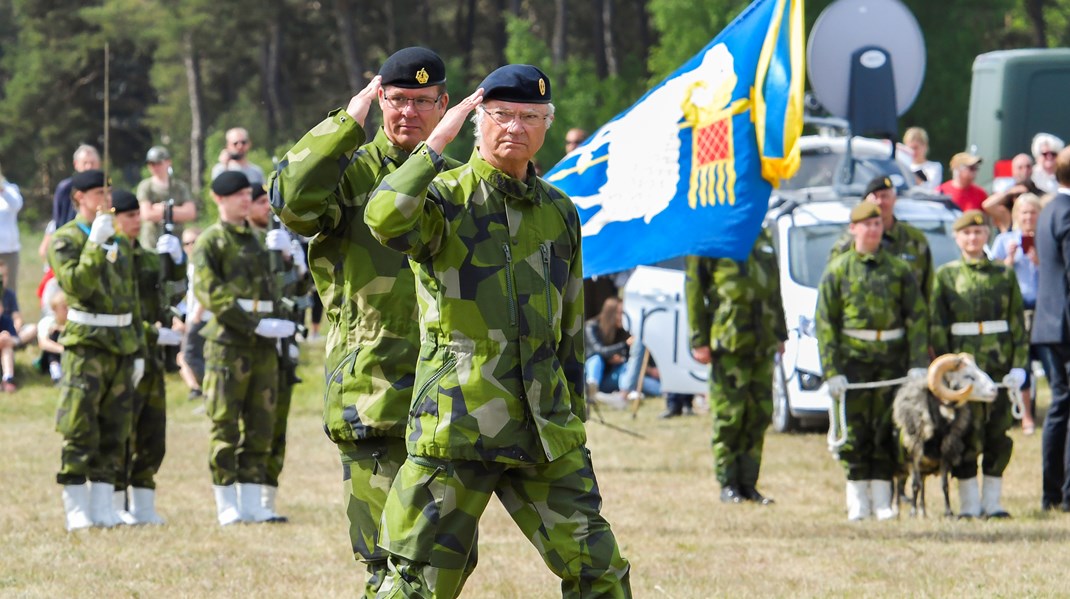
{"points": [[76, 506], [119, 504], [226, 504], [881, 492], [750, 493], [143, 506], [859, 506], [991, 489], [969, 498], [267, 501], [250, 504], [102, 505]]}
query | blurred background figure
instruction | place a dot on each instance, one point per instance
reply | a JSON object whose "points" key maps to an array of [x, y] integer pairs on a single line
{"points": [[931, 173], [10, 205], [153, 193], [235, 157], [1045, 148], [998, 206]]}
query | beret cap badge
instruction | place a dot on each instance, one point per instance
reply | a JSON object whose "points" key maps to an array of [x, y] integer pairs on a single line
{"points": [[422, 76], [542, 87]]}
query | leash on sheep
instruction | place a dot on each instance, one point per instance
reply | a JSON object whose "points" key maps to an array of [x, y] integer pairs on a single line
{"points": [[1014, 392], [837, 438]]}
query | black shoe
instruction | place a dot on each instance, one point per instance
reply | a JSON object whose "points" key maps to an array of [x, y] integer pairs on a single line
{"points": [[996, 516], [751, 494], [687, 411], [669, 414], [1064, 506], [731, 494], [195, 394]]}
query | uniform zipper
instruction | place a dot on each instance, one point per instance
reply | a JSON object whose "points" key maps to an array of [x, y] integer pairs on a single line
{"points": [[545, 249], [449, 363], [350, 359], [509, 283]]}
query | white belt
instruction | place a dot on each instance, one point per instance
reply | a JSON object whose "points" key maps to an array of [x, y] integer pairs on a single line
{"points": [[255, 306], [99, 320], [872, 335], [980, 328]]}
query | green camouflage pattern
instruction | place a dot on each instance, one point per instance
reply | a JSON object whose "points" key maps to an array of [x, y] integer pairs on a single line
{"points": [[735, 306], [976, 291], [871, 292], [230, 262], [96, 284], [148, 436], [904, 241], [147, 191], [499, 286], [321, 190], [871, 449], [240, 394], [94, 414], [741, 403], [429, 525], [277, 454]]}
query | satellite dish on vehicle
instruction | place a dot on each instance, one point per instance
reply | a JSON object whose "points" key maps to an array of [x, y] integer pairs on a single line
{"points": [[866, 61]]}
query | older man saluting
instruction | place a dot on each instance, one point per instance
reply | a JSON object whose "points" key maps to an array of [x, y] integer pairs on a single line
{"points": [[499, 400]]}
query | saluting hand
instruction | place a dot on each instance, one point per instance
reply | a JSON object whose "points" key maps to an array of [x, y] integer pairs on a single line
{"points": [[362, 102], [451, 123]]}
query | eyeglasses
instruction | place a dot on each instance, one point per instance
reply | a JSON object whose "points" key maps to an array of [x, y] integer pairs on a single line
{"points": [[505, 117], [421, 104], [240, 142]]}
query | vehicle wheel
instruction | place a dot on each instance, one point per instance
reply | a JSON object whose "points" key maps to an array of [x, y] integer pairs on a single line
{"points": [[783, 421]]}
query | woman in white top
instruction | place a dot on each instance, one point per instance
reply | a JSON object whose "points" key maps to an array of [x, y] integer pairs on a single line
{"points": [[918, 141], [10, 204], [1044, 148]]}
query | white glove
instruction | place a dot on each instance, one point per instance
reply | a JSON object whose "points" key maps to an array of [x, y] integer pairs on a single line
{"points": [[295, 352], [917, 374], [168, 336], [103, 228], [275, 328], [298, 254], [139, 371], [169, 244], [1015, 378], [278, 240], [837, 385]]}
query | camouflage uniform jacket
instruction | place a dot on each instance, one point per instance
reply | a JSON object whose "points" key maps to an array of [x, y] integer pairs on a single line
{"points": [[904, 241], [870, 292], [321, 188], [152, 290], [93, 283], [735, 306], [978, 291], [500, 288], [231, 263]]}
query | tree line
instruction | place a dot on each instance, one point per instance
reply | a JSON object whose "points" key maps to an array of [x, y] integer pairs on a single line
{"points": [[181, 72]]}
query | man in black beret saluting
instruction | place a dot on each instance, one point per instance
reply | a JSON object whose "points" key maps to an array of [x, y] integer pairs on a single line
{"points": [[499, 406], [369, 294]]}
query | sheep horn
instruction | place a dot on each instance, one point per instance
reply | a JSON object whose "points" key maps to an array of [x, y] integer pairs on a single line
{"points": [[941, 366]]}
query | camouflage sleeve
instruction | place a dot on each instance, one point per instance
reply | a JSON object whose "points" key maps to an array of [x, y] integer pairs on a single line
{"points": [[926, 281], [570, 350], [841, 245], [916, 318], [78, 267], [696, 283], [780, 322], [1016, 319], [940, 316], [216, 294], [828, 320], [304, 189], [399, 213]]}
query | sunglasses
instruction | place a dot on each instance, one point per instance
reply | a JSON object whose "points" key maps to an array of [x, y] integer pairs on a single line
{"points": [[1048, 154], [240, 142]]}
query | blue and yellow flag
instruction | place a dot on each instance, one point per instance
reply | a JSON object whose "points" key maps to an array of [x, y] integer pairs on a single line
{"points": [[689, 167]]}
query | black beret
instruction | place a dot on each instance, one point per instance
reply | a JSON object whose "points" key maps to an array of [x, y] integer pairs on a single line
{"points": [[877, 184], [413, 67], [970, 218], [229, 183], [864, 211], [86, 180], [259, 189], [517, 83], [123, 201]]}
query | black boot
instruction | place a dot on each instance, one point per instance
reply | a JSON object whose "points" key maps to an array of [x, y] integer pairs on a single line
{"points": [[731, 494], [751, 494]]}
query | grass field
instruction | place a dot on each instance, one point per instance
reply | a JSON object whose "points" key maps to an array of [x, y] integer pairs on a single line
{"points": [[659, 494]]}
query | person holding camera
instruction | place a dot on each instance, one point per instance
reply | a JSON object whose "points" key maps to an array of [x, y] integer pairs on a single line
{"points": [[235, 157]]}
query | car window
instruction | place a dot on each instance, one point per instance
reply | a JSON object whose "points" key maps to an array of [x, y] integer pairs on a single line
{"points": [[819, 168], [809, 247]]}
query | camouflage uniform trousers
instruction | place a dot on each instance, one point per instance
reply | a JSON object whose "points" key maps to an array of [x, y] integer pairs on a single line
{"points": [[282, 417], [871, 451], [94, 414], [147, 444], [240, 385], [433, 510], [988, 437], [741, 402]]}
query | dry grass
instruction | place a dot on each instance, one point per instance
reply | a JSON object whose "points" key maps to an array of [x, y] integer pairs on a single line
{"points": [[659, 493]]}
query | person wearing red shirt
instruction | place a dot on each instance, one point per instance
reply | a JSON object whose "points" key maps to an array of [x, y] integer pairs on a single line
{"points": [[961, 188]]}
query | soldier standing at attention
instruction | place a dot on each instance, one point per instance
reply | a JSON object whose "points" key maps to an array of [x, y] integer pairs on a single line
{"points": [[153, 193], [146, 447], [902, 240], [289, 270], [977, 308], [872, 326], [233, 280], [102, 360], [738, 327], [368, 291], [499, 403]]}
